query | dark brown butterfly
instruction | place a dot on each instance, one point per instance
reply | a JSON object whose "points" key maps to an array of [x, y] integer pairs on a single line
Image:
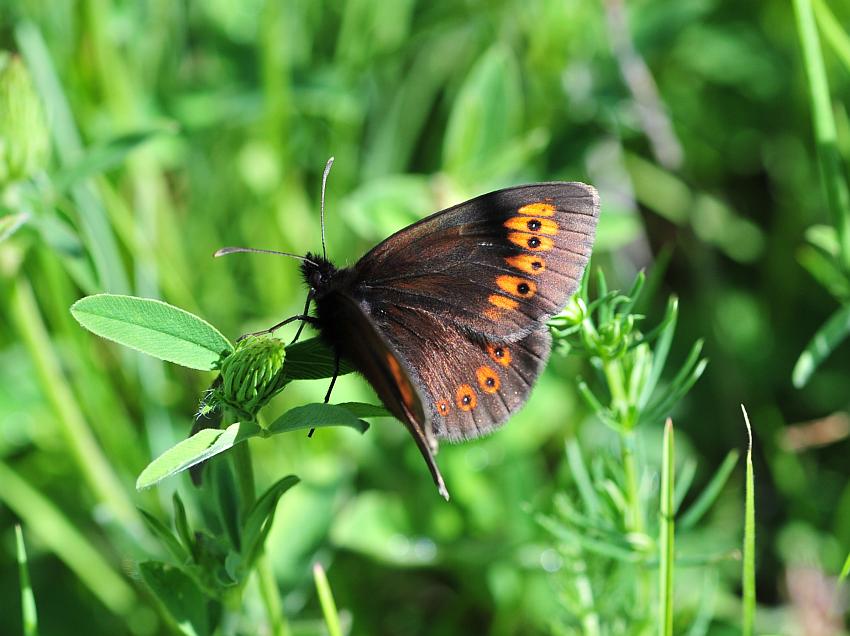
{"points": [[446, 318]]}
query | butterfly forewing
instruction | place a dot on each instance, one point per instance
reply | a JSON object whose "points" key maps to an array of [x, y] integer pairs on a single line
{"points": [[496, 265]]}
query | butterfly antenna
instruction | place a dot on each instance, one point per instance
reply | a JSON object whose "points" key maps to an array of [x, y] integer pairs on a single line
{"points": [[224, 251], [324, 183]]}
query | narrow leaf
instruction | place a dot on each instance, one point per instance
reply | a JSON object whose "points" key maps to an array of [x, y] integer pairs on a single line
{"points": [[825, 340], [359, 409], [261, 515], [845, 570], [181, 523], [326, 600], [312, 360], [749, 554], [29, 617], [179, 595], [201, 446], [582, 478], [153, 327], [171, 543], [666, 535], [101, 158], [708, 496], [316, 416]]}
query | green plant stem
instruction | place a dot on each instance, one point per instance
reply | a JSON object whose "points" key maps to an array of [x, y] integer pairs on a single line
{"points": [[634, 516], [271, 597], [243, 465], [326, 600], [45, 521], [81, 442], [666, 535], [826, 136]]}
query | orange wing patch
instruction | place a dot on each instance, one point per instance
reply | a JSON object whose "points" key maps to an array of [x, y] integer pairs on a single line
{"points": [[488, 380], [541, 208], [443, 408], [532, 224], [499, 354], [517, 286], [527, 263], [465, 398], [502, 302], [401, 381], [532, 242]]}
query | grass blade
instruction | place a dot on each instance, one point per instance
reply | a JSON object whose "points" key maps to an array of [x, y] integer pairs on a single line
{"points": [[666, 535], [749, 557], [826, 136], [845, 570], [711, 492], [825, 340], [326, 599], [29, 617]]}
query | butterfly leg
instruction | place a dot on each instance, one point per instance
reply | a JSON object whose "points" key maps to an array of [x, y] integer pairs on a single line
{"points": [[331, 387], [303, 318], [305, 312]]}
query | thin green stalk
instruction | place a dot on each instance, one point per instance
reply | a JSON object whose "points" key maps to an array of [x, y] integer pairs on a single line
{"points": [[634, 522], [29, 616], [81, 442], [666, 535], [749, 558], [326, 600], [271, 597], [47, 522], [826, 136], [243, 465]]}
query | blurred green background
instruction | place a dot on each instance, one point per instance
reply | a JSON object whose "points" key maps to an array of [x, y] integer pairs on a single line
{"points": [[208, 124]]}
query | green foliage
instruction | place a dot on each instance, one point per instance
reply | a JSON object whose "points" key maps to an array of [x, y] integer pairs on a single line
{"points": [[158, 132], [29, 614]]}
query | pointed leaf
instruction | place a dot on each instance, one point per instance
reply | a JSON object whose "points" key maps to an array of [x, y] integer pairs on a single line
{"points": [[153, 327], [316, 416], [201, 446], [261, 516], [312, 360], [179, 595], [825, 340]]}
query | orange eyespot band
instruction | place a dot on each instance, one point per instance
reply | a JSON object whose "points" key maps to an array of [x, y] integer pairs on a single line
{"points": [[517, 286], [488, 380], [538, 209], [499, 354], [531, 242], [532, 224], [465, 398], [527, 263]]}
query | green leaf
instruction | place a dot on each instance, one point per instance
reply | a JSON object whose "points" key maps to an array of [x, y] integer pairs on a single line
{"points": [[326, 600], [666, 534], [845, 570], [153, 327], [11, 223], [708, 496], [101, 158], [179, 595], [825, 340], [749, 551], [259, 519], [181, 523], [316, 416], [312, 360], [359, 409], [486, 115], [201, 446], [29, 616], [171, 543]]}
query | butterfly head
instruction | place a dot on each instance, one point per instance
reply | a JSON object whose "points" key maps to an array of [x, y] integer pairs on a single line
{"points": [[318, 273]]}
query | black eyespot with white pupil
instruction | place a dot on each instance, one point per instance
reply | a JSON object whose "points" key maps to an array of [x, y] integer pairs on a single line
{"points": [[534, 242], [536, 265], [534, 225], [466, 399], [490, 382], [522, 288], [499, 352]]}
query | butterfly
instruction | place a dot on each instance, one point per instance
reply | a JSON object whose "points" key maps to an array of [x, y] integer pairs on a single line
{"points": [[446, 318]]}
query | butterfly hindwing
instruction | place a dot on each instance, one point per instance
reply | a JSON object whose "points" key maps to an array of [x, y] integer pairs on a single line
{"points": [[469, 384], [496, 265], [388, 374]]}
